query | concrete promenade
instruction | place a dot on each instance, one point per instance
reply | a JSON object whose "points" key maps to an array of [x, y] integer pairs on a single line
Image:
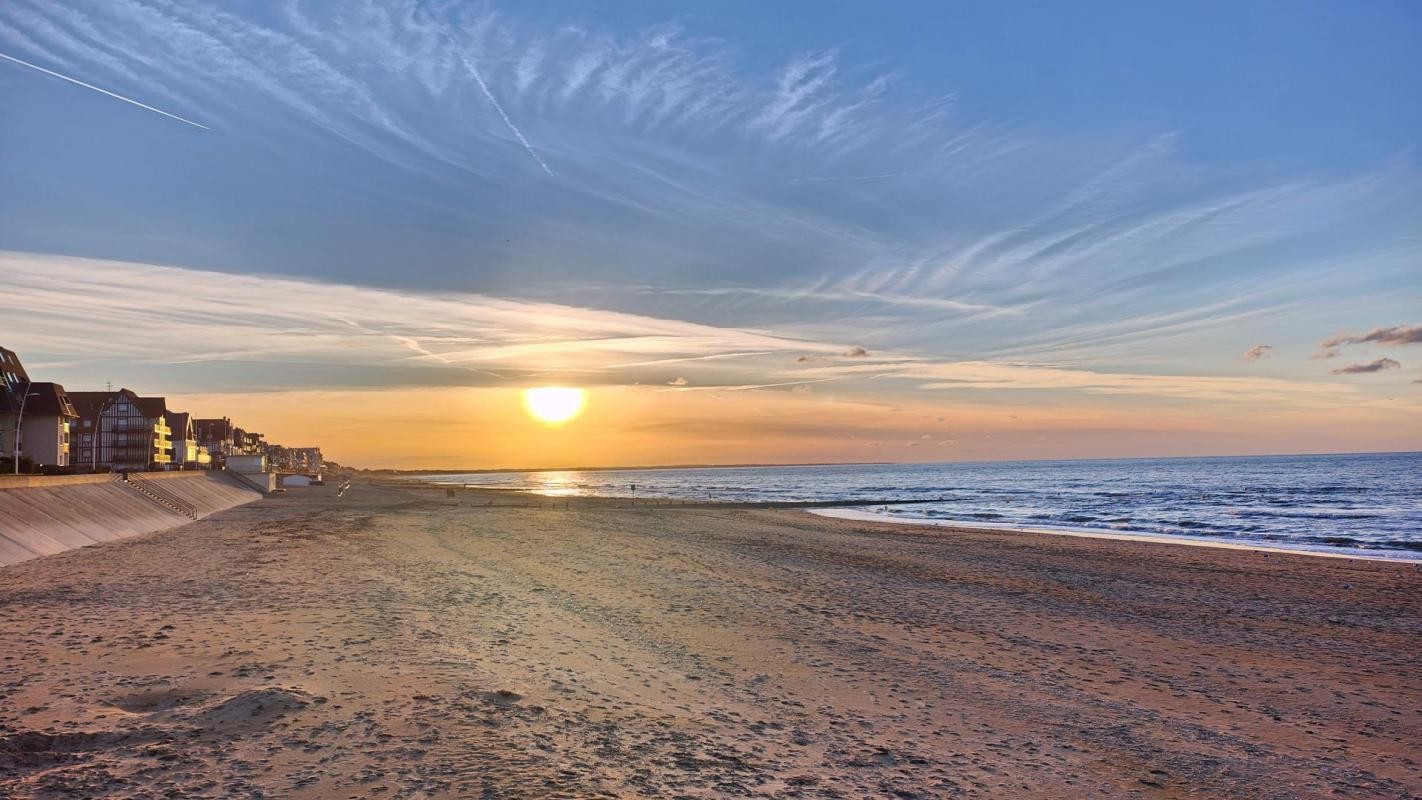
{"points": [[44, 515]]}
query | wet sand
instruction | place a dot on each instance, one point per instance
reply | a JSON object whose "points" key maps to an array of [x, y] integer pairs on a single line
{"points": [[393, 644]]}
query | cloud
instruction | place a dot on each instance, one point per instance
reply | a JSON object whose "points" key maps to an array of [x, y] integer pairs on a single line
{"points": [[1372, 366], [244, 332], [1257, 352], [856, 352], [746, 387], [678, 381], [658, 124], [369, 72], [1396, 336], [1019, 376]]}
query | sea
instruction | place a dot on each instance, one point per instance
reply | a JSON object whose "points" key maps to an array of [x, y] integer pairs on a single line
{"points": [[1346, 504]]}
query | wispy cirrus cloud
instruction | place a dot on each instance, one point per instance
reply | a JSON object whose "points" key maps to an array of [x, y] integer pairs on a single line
{"points": [[987, 376], [651, 79], [228, 329]]}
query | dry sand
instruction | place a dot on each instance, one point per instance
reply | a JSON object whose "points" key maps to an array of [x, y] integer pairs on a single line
{"points": [[391, 644]]}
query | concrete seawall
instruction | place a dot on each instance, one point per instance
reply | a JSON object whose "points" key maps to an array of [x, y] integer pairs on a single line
{"points": [[43, 516]]}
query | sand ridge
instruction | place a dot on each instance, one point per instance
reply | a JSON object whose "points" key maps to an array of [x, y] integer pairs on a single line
{"points": [[395, 643]]}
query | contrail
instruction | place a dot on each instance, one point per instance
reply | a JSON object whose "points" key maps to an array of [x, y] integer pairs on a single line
{"points": [[78, 82], [847, 178], [516, 132], [744, 387], [712, 357]]}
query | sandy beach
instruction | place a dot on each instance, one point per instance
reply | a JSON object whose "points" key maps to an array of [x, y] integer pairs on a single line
{"points": [[396, 643]]}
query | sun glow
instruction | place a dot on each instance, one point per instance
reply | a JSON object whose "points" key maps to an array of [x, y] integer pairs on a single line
{"points": [[554, 405]]}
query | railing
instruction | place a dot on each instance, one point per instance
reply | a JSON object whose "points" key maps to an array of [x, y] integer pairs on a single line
{"points": [[162, 497]]}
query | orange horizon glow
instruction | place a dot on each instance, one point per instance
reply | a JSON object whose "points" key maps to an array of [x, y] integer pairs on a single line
{"points": [[620, 426]]}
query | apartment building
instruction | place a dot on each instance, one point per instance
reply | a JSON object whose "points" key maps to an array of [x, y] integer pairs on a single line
{"points": [[120, 430], [45, 427], [14, 383], [188, 452], [217, 435]]}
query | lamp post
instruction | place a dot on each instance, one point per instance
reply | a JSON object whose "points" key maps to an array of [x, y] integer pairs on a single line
{"points": [[19, 418]]}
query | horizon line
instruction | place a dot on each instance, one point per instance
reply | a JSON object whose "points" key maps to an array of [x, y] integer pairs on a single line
{"points": [[773, 465]]}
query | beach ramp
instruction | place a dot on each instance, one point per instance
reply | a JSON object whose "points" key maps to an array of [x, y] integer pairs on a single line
{"points": [[44, 516]]}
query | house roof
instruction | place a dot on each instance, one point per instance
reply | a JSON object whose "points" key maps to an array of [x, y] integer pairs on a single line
{"points": [[213, 428], [49, 399], [152, 407], [179, 422], [88, 404], [10, 365], [13, 379]]}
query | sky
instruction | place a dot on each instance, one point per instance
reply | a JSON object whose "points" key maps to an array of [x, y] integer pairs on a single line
{"points": [[754, 232]]}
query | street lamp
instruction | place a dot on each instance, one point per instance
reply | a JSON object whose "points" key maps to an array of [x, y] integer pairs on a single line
{"points": [[19, 418]]}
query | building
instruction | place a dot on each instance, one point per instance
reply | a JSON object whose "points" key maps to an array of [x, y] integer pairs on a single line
{"points": [[34, 416], [14, 385], [306, 459], [121, 431], [253, 470], [255, 444], [248, 444], [294, 459], [216, 435], [248, 465], [45, 428], [188, 453]]}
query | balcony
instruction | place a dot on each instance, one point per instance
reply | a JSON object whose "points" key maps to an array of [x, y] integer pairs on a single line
{"points": [[131, 451]]}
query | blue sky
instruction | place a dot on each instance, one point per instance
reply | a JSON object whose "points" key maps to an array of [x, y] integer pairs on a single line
{"points": [[1105, 188]]}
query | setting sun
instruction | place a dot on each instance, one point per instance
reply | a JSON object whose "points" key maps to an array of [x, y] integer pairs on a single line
{"points": [[554, 405]]}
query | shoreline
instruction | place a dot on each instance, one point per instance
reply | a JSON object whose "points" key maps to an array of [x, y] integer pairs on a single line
{"points": [[850, 510], [1324, 551]]}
